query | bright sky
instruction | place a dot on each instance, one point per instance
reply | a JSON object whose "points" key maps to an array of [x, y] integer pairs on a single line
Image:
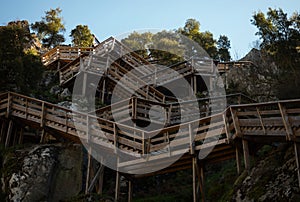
{"points": [[113, 18]]}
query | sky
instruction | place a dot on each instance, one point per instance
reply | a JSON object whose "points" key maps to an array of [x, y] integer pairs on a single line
{"points": [[113, 18]]}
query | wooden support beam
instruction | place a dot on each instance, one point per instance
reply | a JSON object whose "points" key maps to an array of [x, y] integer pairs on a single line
{"points": [[286, 122], [87, 182], [236, 122], [194, 179], [201, 181], [20, 141], [101, 177], [103, 90], [297, 157], [94, 180], [130, 190], [192, 145], [3, 128], [42, 140], [246, 155], [84, 84], [8, 135], [238, 160], [195, 85], [15, 136], [117, 188]]}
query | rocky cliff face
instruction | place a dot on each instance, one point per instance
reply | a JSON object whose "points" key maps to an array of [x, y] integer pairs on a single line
{"points": [[273, 178], [44, 173]]}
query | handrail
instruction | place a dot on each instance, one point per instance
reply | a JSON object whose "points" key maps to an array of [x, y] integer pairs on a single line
{"points": [[228, 123]]}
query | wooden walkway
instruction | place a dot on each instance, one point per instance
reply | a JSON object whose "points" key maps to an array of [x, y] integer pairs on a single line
{"points": [[181, 137], [258, 122]]}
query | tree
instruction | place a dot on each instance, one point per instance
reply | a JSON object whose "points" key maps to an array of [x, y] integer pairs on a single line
{"points": [[20, 70], [82, 36], [49, 28], [280, 37], [205, 39], [223, 45]]}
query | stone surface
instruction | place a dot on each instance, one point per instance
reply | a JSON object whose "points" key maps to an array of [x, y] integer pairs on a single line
{"points": [[47, 173]]}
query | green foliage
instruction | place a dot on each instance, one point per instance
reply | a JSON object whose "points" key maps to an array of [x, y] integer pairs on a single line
{"points": [[280, 37], [20, 67], [223, 45], [49, 28], [162, 47], [82, 36], [216, 49]]}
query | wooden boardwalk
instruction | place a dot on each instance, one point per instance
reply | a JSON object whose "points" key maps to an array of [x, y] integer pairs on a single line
{"points": [[257, 122], [183, 136]]}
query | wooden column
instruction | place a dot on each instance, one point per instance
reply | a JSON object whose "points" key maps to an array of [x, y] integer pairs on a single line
{"points": [[2, 134], [100, 186], [103, 90], [87, 182], [246, 155], [8, 135], [42, 140], [238, 160], [195, 85], [20, 141], [297, 157], [15, 142], [117, 188], [84, 83], [202, 182], [130, 190]]}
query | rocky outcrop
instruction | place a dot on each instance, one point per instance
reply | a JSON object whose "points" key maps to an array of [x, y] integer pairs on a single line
{"points": [[32, 182], [47, 173], [273, 178]]}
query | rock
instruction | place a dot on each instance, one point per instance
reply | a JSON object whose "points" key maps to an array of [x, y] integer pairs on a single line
{"points": [[47, 173], [55, 90], [31, 183], [66, 93]]}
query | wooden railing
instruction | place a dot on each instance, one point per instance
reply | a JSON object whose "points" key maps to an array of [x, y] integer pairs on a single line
{"points": [[64, 53], [269, 120]]}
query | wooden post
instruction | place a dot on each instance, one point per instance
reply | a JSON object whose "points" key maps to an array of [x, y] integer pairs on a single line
{"points": [[87, 182], [285, 119], [238, 160], [9, 130], [100, 187], [4, 126], [103, 90], [192, 148], [84, 83], [246, 155], [43, 114], [117, 189], [195, 85], [194, 179], [201, 181], [130, 190], [15, 136], [297, 157], [20, 141], [42, 140]]}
